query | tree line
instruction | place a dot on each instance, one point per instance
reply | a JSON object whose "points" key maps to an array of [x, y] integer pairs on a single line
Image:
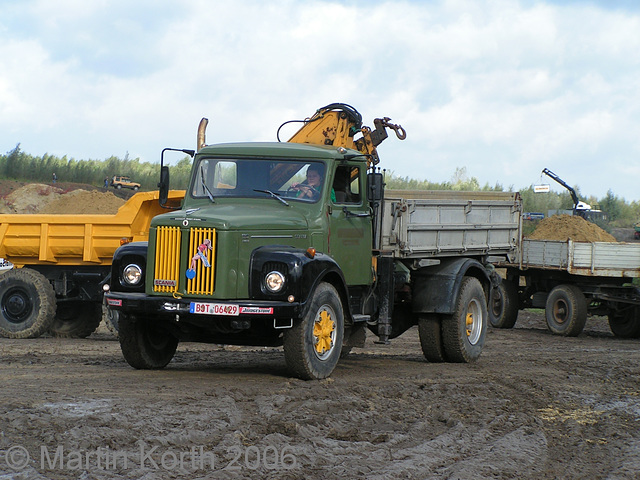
{"points": [[19, 165]]}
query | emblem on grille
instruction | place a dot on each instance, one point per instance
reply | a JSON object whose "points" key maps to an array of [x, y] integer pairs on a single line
{"points": [[201, 254]]}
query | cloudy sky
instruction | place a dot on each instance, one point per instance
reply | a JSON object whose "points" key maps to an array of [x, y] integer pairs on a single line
{"points": [[502, 88]]}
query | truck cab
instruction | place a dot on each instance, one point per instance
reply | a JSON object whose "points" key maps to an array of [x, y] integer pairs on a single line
{"points": [[251, 246]]}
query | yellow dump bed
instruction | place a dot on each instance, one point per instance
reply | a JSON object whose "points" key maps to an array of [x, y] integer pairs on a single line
{"points": [[51, 239]]}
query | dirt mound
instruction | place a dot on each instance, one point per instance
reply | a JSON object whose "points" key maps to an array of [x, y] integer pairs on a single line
{"points": [[565, 227], [82, 201], [41, 198]]}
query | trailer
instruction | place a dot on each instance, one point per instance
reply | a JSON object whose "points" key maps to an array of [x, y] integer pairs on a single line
{"points": [[60, 264], [571, 280]]}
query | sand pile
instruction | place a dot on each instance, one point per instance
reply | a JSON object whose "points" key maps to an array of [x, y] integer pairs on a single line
{"points": [[565, 227], [41, 198], [83, 201]]}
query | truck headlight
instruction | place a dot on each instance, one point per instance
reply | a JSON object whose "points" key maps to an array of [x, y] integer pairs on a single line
{"points": [[274, 281], [132, 274]]}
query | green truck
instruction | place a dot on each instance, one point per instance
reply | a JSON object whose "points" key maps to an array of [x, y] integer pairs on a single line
{"points": [[297, 244]]}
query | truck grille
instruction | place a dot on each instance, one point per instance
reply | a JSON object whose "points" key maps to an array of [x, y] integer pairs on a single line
{"points": [[167, 266], [202, 283], [168, 257]]}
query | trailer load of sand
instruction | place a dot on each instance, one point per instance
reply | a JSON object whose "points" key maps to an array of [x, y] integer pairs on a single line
{"points": [[569, 227]]}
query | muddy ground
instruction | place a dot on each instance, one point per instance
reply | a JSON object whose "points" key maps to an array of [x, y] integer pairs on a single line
{"points": [[534, 406]]}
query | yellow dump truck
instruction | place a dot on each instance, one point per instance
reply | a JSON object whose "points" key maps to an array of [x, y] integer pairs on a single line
{"points": [[60, 263]]}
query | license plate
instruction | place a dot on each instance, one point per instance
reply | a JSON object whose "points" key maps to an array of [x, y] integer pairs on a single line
{"points": [[214, 309]]}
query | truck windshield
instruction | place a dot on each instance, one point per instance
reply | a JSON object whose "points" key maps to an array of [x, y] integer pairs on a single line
{"points": [[290, 179]]}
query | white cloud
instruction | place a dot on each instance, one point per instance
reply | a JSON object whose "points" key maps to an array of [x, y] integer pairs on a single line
{"points": [[501, 87]]}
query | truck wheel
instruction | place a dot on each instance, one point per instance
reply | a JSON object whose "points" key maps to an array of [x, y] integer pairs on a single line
{"points": [[76, 319], [111, 320], [566, 310], [27, 304], [503, 305], [464, 332], [313, 345], [135, 189], [145, 344], [625, 323], [119, 187], [429, 330]]}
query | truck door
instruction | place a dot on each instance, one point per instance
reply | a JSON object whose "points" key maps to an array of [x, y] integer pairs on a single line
{"points": [[349, 237]]}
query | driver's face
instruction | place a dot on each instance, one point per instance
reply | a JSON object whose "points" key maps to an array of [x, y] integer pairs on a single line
{"points": [[313, 178]]}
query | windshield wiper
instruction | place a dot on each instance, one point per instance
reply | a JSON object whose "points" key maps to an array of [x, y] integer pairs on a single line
{"points": [[204, 185], [274, 195]]}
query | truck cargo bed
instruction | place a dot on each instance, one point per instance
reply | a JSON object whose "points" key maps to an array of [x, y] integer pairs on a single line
{"points": [[450, 223], [598, 259], [50, 239]]}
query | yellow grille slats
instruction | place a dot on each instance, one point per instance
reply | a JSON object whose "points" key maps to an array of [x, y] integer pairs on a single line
{"points": [[202, 240], [200, 254], [167, 264]]}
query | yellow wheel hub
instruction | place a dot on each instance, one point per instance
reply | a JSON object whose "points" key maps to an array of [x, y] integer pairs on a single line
{"points": [[469, 322], [322, 332]]}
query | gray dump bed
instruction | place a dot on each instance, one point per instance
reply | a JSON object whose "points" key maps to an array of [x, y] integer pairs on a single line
{"points": [[598, 259], [424, 224]]}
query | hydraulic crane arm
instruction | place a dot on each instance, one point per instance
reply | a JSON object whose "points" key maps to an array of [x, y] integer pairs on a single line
{"points": [[338, 123], [572, 192]]}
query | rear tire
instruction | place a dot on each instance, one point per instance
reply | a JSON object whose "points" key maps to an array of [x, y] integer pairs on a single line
{"points": [[27, 304], [503, 305], [145, 343], [625, 323], [429, 330], [566, 310], [313, 345], [464, 332], [76, 319]]}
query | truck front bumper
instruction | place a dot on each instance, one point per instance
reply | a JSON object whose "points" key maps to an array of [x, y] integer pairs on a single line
{"points": [[143, 304]]}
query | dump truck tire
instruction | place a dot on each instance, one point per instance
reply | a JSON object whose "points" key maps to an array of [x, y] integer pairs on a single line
{"points": [[429, 330], [566, 310], [625, 324], [313, 345], [145, 344], [76, 319], [27, 304], [503, 305], [464, 332]]}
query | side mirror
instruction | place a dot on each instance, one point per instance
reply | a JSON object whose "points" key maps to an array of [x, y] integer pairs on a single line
{"points": [[375, 186], [163, 186]]}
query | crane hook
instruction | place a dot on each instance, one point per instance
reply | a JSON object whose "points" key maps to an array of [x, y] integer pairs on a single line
{"points": [[400, 132]]}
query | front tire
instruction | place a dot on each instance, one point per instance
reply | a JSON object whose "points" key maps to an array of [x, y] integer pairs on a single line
{"points": [[566, 310], [145, 343], [503, 305], [464, 332], [76, 319], [313, 345], [27, 304]]}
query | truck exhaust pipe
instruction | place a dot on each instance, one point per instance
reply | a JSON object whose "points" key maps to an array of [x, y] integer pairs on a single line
{"points": [[202, 127]]}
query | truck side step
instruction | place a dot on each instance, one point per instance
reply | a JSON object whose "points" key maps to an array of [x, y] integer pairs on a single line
{"points": [[361, 318]]}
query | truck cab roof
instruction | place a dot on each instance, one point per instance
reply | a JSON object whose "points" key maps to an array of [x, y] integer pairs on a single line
{"points": [[278, 149]]}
